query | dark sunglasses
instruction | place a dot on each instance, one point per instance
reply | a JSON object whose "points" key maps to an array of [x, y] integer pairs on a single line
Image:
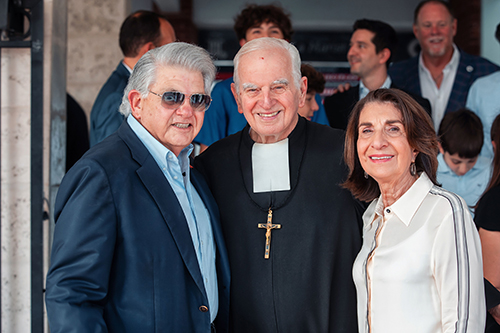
{"points": [[173, 100]]}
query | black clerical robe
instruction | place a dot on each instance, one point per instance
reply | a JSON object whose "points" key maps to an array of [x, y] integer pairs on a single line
{"points": [[306, 284]]}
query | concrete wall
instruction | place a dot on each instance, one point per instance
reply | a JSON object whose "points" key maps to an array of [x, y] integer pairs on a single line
{"points": [[15, 177], [93, 50]]}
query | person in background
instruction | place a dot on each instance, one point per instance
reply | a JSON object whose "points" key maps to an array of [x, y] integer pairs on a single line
{"points": [[137, 241], [484, 100], [461, 169], [420, 268], [222, 118], [139, 33], [315, 85], [77, 132], [370, 53], [487, 221], [291, 231], [442, 73]]}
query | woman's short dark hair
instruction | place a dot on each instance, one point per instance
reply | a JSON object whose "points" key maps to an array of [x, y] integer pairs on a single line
{"points": [[420, 134]]}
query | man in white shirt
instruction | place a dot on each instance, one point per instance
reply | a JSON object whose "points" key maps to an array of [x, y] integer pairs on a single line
{"points": [[441, 72]]}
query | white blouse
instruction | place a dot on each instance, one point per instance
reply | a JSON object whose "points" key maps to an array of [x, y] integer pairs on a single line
{"points": [[420, 268]]}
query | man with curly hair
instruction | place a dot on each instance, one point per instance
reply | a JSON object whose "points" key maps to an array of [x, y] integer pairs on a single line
{"points": [[222, 118]]}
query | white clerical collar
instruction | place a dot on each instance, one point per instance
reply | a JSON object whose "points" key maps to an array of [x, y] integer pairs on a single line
{"points": [[270, 167]]}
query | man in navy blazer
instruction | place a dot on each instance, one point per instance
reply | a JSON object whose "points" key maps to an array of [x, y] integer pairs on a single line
{"points": [[137, 243], [140, 32], [441, 73]]}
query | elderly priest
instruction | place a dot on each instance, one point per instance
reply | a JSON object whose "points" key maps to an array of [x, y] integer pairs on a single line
{"points": [[292, 232]]}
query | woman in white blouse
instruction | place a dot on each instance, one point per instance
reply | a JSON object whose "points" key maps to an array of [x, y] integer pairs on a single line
{"points": [[419, 269]]}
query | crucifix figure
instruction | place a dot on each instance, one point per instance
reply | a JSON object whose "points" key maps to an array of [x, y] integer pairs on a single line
{"points": [[268, 226]]}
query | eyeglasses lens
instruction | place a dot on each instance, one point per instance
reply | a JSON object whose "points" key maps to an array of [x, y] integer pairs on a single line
{"points": [[174, 99]]}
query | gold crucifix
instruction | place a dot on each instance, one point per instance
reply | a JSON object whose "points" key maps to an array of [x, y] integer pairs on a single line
{"points": [[268, 226]]}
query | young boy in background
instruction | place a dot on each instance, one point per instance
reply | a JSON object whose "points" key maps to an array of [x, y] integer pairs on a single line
{"points": [[315, 85], [461, 169]]}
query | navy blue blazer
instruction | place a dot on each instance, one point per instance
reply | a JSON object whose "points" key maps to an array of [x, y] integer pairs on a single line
{"points": [[122, 257], [105, 117], [404, 74]]}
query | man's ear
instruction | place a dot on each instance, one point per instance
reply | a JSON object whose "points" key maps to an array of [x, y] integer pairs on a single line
{"points": [[454, 26], [145, 48], [136, 101], [384, 55], [303, 91], [236, 97], [415, 31], [441, 150], [242, 42]]}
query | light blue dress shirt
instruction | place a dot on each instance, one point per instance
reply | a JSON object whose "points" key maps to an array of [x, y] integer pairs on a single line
{"points": [[176, 170], [363, 91], [484, 100], [469, 186]]}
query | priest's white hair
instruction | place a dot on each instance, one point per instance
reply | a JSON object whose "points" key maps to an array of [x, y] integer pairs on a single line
{"points": [[269, 43], [179, 55]]}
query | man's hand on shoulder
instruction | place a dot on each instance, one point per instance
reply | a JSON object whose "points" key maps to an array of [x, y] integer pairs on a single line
{"points": [[342, 87]]}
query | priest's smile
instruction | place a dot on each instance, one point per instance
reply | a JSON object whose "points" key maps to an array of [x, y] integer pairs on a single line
{"points": [[269, 115]]}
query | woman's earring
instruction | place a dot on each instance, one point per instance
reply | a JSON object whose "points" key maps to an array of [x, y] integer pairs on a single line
{"points": [[413, 169], [366, 175]]}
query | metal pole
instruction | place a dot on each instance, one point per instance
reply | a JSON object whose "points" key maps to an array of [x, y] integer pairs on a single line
{"points": [[37, 167]]}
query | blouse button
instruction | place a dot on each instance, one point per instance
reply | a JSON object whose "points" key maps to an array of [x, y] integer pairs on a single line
{"points": [[203, 308], [388, 211]]}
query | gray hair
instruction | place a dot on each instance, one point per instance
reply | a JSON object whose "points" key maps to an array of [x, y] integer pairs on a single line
{"points": [[269, 43], [178, 54]]}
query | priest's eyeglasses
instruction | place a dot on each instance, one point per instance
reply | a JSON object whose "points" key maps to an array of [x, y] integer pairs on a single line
{"points": [[172, 100]]}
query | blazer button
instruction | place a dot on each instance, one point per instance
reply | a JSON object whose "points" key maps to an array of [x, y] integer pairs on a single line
{"points": [[203, 308]]}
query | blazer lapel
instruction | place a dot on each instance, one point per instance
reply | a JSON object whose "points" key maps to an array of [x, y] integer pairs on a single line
{"points": [[461, 85], [414, 78], [166, 200]]}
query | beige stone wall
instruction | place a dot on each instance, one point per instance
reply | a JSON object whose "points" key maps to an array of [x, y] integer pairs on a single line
{"points": [[93, 50], [15, 175], [93, 53]]}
